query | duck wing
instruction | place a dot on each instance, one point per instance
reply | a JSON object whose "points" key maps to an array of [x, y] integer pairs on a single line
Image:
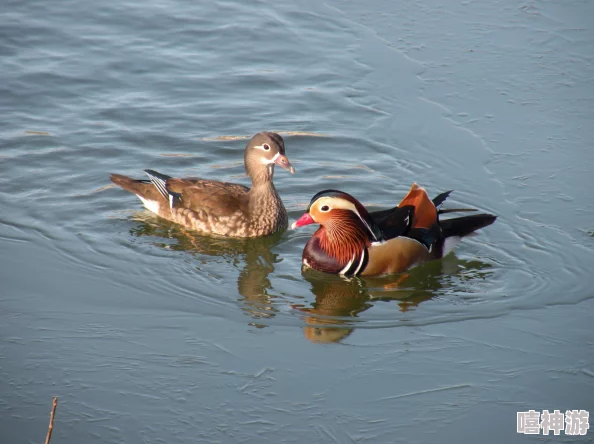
{"points": [[208, 200], [412, 216], [395, 221], [208, 197]]}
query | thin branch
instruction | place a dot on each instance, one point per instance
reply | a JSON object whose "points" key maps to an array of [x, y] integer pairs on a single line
{"points": [[51, 423]]}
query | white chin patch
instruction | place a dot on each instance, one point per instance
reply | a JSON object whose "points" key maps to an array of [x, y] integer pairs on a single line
{"points": [[151, 205], [450, 243], [271, 161]]}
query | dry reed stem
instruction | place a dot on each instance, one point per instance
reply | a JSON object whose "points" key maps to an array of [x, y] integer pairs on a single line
{"points": [[51, 423]]}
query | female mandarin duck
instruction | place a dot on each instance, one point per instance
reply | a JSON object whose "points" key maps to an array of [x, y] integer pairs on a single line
{"points": [[352, 241], [222, 208]]}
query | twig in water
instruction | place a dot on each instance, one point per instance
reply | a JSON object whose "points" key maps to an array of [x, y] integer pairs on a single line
{"points": [[51, 424]]}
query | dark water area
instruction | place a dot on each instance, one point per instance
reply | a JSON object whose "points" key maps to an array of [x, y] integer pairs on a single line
{"points": [[148, 332]]}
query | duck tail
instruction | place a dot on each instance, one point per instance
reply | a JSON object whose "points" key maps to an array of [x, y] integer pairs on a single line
{"points": [[144, 189], [127, 183], [465, 225]]}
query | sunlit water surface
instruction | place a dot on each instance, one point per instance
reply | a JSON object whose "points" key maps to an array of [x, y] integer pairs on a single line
{"points": [[148, 332]]}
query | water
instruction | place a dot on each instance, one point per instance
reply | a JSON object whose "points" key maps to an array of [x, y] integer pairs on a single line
{"points": [[148, 332]]}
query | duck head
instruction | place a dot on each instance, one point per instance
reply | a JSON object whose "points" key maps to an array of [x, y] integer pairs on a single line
{"points": [[334, 209], [346, 228], [262, 153]]}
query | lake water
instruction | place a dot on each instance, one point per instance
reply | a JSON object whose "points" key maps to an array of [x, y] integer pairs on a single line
{"points": [[148, 332]]}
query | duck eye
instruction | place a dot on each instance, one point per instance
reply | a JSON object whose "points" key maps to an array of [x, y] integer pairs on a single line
{"points": [[266, 147], [325, 208]]}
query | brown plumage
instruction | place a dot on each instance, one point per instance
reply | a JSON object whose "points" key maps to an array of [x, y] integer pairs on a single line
{"points": [[352, 241], [221, 208], [343, 238]]}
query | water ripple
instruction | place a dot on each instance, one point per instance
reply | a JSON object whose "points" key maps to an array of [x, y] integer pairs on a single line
{"points": [[86, 104]]}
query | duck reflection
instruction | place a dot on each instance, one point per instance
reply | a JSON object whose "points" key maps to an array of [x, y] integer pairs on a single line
{"points": [[331, 316], [339, 301], [255, 255]]}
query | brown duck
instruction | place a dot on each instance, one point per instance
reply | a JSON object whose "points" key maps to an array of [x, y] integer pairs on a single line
{"points": [[352, 241], [222, 208]]}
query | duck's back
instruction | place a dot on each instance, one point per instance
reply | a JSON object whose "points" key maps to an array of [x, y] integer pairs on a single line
{"points": [[218, 199]]}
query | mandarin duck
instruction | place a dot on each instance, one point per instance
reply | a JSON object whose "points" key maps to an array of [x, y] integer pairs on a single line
{"points": [[352, 241], [221, 208]]}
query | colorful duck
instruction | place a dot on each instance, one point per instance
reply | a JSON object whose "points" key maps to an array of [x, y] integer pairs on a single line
{"points": [[352, 241]]}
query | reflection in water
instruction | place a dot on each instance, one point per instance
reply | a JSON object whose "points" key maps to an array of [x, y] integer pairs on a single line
{"points": [[339, 300], [253, 256]]}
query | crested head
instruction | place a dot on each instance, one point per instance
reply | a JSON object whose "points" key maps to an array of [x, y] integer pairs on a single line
{"points": [[262, 153], [346, 230], [330, 207], [268, 137], [336, 194]]}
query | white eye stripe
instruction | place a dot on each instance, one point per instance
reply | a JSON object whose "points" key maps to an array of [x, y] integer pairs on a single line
{"points": [[261, 147], [343, 204]]}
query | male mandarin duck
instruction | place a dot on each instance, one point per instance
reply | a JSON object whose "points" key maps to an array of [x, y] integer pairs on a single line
{"points": [[222, 208], [351, 241]]}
